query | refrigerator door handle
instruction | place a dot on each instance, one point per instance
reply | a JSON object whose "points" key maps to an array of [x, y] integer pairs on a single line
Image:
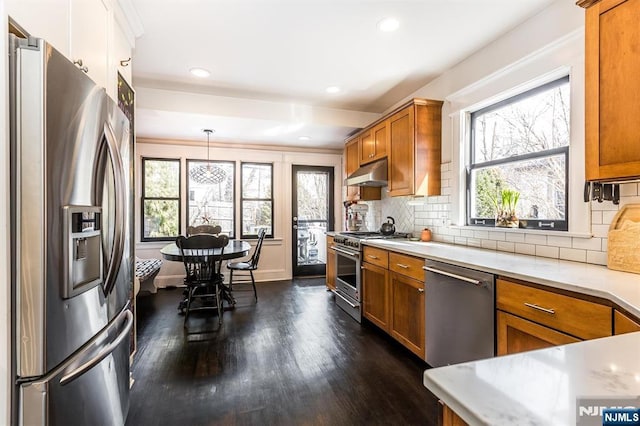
{"points": [[106, 350], [118, 238]]}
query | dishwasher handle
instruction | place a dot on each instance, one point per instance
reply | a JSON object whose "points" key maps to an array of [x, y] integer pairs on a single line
{"points": [[477, 283]]}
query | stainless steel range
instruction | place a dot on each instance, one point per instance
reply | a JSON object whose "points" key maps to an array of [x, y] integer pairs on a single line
{"points": [[348, 247]]}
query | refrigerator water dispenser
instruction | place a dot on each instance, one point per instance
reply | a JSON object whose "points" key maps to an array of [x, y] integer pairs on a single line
{"points": [[83, 249]]}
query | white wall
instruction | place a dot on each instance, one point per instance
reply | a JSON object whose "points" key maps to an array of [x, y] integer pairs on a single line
{"points": [[545, 47], [275, 260], [5, 258]]}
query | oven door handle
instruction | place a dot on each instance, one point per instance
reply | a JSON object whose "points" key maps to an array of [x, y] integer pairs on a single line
{"points": [[347, 301], [347, 253]]}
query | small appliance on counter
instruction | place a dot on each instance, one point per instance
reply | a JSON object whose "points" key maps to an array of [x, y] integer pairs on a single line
{"points": [[357, 217]]}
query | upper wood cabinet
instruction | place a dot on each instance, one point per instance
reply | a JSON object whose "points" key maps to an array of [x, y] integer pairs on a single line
{"points": [[612, 65], [351, 164], [415, 149], [373, 143]]}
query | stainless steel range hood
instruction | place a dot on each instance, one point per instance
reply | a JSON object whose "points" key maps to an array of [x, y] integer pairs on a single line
{"points": [[374, 174]]}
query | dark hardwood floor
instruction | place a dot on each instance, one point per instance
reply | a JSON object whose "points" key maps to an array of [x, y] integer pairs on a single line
{"points": [[294, 358]]}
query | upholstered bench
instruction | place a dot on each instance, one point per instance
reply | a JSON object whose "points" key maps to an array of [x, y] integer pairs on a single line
{"points": [[146, 271]]}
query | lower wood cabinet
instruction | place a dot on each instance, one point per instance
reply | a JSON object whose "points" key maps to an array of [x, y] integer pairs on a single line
{"points": [[530, 317], [450, 418], [624, 324], [408, 312], [393, 299], [375, 293], [515, 334], [331, 270]]}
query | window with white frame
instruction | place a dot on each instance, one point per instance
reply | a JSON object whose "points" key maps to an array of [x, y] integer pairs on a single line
{"points": [[521, 144], [160, 199], [257, 199], [211, 194]]}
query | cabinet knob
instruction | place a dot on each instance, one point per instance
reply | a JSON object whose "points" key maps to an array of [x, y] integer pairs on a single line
{"points": [[421, 290], [79, 63]]}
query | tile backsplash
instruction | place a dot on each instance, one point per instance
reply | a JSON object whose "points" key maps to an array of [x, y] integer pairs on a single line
{"points": [[435, 215]]}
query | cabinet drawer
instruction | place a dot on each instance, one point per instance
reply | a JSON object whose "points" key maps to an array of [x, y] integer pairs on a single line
{"points": [[580, 318], [376, 256], [407, 265]]}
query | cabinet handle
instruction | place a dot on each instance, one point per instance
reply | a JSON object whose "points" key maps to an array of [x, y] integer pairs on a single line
{"points": [[402, 266], [372, 256], [78, 62], [540, 308], [421, 290]]}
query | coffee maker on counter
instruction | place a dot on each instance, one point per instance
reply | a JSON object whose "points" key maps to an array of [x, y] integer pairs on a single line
{"points": [[356, 217]]}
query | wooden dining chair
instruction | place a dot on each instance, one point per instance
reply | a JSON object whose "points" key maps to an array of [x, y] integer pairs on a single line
{"points": [[204, 229], [203, 279], [247, 266]]}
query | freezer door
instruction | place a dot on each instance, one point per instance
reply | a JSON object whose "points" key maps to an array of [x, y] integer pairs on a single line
{"points": [[68, 153], [92, 388]]}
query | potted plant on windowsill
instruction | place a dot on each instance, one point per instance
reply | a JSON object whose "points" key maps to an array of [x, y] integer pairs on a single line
{"points": [[506, 209]]}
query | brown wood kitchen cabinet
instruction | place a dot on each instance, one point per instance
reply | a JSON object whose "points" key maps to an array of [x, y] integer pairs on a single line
{"points": [[373, 143], [612, 63], [331, 270], [375, 286], [351, 164], [624, 324], [415, 149], [407, 301], [530, 317], [375, 295], [393, 296]]}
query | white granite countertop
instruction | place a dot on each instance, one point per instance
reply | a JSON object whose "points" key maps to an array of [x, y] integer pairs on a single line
{"points": [[622, 288], [539, 387]]}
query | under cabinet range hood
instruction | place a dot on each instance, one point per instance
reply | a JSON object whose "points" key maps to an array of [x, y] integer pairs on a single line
{"points": [[373, 174]]}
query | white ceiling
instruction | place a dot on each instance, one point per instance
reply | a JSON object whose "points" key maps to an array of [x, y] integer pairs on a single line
{"points": [[272, 59]]}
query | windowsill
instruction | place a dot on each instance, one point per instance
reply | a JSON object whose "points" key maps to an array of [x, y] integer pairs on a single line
{"points": [[524, 231]]}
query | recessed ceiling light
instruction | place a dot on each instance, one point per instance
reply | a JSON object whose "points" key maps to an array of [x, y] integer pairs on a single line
{"points": [[200, 72], [333, 89], [388, 24], [304, 138]]}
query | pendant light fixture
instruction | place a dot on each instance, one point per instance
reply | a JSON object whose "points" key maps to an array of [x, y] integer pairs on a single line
{"points": [[207, 174]]}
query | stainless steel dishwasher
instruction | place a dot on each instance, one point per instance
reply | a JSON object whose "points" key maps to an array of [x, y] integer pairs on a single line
{"points": [[460, 314]]}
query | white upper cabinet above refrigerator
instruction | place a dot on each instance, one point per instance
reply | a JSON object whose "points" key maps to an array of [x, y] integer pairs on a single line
{"points": [[89, 36], [100, 33], [46, 19]]}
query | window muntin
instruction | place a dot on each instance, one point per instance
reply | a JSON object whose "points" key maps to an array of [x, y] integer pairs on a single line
{"points": [[160, 199], [212, 203], [257, 199], [522, 143]]}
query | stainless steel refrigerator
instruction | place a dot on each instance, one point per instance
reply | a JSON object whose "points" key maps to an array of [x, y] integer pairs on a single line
{"points": [[72, 266]]}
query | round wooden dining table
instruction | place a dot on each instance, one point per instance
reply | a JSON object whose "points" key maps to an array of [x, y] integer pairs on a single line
{"points": [[233, 250]]}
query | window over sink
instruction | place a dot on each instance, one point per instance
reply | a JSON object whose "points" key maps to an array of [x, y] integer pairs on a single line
{"points": [[522, 144]]}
